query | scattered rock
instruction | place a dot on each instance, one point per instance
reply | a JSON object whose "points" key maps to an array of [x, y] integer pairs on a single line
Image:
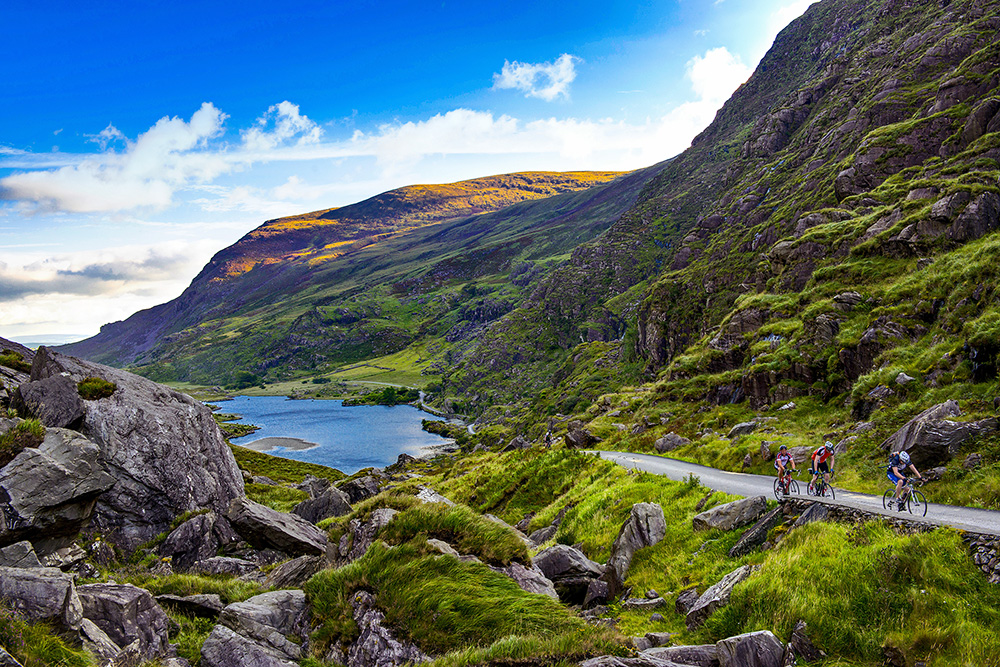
{"points": [[360, 488], [972, 461], [315, 486], [97, 642], [756, 535], [425, 494], [753, 649], [935, 474], [731, 515], [265, 480], [701, 655], [199, 538], [743, 428], [517, 442], [264, 527], [788, 406], [580, 438], [543, 535], [597, 593], [127, 613], [716, 597], [841, 447], [224, 565], [641, 660], [51, 490], [765, 450], [360, 535], [670, 442], [54, 400], [205, 605], [376, 644], [42, 594], [530, 579], [642, 604], [903, 378], [815, 512], [803, 646], [686, 600], [569, 570], [258, 632], [931, 439], [294, 573], [331, 502], [19, 554], [644, 528]]}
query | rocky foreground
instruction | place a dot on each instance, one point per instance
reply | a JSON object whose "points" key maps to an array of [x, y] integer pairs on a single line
{"points": [[144, 471]]}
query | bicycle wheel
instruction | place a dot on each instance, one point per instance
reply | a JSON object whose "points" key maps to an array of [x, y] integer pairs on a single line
{"points": [[793, 487], [828, 492], [917, 503], [811, 489], [777, 488], [886, 497]]}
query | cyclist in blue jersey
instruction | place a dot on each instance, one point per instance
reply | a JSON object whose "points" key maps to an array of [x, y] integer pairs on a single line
{"points": [[898, 462]]}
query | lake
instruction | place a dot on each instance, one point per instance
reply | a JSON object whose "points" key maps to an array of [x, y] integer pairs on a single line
{"points": [[347, 439]]}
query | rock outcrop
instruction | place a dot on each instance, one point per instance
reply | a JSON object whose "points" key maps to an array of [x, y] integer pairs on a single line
{"points": [[753, 649], [716, 596], [331, 502], [49, 492], [264, 528], [569, 570], [199, 538], [42, 594], [361, 534], [128, 614], [644, 528], [257, 632], [162, 448], [731, 515], [932, 439]]}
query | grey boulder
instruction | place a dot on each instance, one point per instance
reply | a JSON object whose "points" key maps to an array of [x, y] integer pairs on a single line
{"points": [[697, 655], [731, 515], [264, 527], [331, 502], [261, 627], [19, 554], [670, 442], [197, 539], [932, 439], [360, 488], [569, 570], [645, 527], [529, 579], [716, 597], [376, 644], [294, 573], [126, 614], [51, 490], [42, 594], [756, 535], [225, 565], [361, 534], [205, 605], [54, 400], [753, 649]]}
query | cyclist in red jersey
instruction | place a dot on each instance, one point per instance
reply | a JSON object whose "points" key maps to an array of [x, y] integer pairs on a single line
{"points": [[822, 462]]}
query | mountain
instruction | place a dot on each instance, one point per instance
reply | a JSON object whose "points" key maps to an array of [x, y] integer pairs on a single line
{"points": [[342, 285], [860, 157]]}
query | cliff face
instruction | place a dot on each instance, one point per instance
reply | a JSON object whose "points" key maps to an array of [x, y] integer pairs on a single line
{"points": [[863, 147]]}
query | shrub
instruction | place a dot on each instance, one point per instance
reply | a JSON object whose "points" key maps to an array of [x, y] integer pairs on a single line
{"points": [[28, 433], [14, 359], [95, 388]]}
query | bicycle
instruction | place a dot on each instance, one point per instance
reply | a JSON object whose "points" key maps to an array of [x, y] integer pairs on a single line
{"points": [[820, 488], [783, 482], [916, 502]]}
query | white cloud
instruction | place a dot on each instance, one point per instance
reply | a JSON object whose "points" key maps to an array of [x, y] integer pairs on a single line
{"points": [[106, 136], [281, 123], [160, 161], [715, 75], [546, 81]]}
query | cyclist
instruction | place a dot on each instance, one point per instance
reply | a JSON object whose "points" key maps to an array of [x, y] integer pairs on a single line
{"points": [[781, 461], [897, 463], [819, 463]]}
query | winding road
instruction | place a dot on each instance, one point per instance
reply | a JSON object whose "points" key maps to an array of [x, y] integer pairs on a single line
{"points": [[742, 484]]}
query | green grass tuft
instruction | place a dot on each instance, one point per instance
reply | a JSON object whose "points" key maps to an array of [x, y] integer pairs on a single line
{"points": [[95, 388]]}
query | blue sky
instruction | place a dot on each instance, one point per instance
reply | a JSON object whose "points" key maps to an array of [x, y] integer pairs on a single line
{"points": [[137, 139]]}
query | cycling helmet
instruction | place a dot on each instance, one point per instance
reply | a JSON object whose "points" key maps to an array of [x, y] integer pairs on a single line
{"points": [[828, 444], [904, 458], [782, 447]]}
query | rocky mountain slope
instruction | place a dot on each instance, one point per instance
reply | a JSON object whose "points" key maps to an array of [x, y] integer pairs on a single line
{"points": [[334, 286], [838, 217]]}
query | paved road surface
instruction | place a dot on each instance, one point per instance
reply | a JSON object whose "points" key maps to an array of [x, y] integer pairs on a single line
{"points": [[742, 484]]}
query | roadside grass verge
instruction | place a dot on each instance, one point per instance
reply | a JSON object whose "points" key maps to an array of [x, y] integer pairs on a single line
{"points": [[864, 587], [445, 605]]}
